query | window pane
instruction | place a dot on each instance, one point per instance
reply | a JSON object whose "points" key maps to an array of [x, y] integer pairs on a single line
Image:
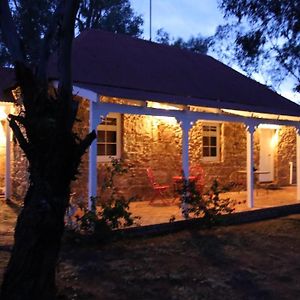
{"points": [[205, 141], [205, 151], [111, 137], [101, 136], [101, 149], [213, 128], [213, 141], [111, 149], [205, 128], [213, 151]]}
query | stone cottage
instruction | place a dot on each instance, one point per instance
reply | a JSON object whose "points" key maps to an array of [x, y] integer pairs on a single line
{"points": [[167, 109]]}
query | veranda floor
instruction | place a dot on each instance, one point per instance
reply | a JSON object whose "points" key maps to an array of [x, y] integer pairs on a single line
{"points": [[157, 212]]}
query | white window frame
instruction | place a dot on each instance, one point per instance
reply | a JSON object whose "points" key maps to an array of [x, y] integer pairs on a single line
{"points": [[218, 138], [117, 128]]}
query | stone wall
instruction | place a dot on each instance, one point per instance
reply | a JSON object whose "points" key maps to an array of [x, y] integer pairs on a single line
{"points": [[19, 174], [155, 142], [19, 164], [286, 152]]}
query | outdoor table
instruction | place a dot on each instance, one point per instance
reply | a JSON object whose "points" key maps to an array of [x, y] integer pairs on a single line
{"points": [[257, 172]]}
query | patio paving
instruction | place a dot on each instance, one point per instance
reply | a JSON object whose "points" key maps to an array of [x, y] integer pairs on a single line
{"points": [[157, 212]]}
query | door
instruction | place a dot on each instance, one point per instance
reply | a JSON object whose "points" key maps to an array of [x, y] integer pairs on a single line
{"points": [[266, 154]]}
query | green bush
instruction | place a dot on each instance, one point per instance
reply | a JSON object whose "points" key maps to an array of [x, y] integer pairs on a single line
{"points": [[207, 205], [111, 210]]}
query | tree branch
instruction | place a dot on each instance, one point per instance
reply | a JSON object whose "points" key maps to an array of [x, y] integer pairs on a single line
{"points": [[48, 40], [9, 33], [86, 142], [65, 48], [64, 61], [18, 134]]}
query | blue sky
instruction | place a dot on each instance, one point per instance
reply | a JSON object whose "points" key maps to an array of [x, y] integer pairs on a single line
{"points": [[184, 18], [180, 18]]}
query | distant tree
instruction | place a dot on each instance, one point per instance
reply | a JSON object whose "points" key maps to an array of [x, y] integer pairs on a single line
{"points": [[111, 15], [198, 44], [33, 16], [44, 131], [262, 35]]}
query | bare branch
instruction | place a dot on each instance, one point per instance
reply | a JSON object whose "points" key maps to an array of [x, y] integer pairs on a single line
{"points": [[86, 142], [18, 134], [9, 33]]}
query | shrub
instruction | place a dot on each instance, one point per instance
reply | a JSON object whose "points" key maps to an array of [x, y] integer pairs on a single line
{"points": [[110, 210], [207, 205]]}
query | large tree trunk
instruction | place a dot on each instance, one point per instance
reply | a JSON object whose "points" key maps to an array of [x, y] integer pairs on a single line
{"points": [[31, 270], [43, 130]]}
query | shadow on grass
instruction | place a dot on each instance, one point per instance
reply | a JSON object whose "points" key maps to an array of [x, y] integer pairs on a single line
{"points": [[245, 282]]}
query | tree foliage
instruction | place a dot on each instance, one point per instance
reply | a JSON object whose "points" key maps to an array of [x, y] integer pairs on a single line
{"points": [[263, 35], [32, 18], [198, 44], [111, 15]]}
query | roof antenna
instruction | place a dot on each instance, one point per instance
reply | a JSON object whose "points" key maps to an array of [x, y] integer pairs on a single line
{"points": [[150, 20]]}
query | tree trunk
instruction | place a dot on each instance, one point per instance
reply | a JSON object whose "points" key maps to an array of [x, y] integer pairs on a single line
{"points": [[31, 270]]}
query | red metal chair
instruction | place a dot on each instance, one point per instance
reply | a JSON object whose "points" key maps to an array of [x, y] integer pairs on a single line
{"points": [[199, 174], [160, 191]]}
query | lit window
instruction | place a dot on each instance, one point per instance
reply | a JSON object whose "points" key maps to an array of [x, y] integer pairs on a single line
{"points": [[109, 138], [210, 142]]}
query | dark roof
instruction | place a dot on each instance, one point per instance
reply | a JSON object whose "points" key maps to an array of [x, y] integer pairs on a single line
{"points": [[117, 65], [6, 81]]}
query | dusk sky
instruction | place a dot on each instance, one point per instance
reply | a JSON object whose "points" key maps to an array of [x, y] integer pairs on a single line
{"points": [[180, 18], [184, 18]]}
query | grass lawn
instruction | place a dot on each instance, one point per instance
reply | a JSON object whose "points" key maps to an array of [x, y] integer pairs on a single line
{"points": [[250, 261]]}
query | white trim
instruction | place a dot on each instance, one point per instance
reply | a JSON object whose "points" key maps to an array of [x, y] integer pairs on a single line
{"points": [[250, 165], [190, 115], [92, 184], [117, 128], [193, 116], [185, 126], [298, 163], [8, 156], [84, 93], [218, 137]]}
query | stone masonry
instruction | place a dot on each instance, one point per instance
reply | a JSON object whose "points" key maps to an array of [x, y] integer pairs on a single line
{"points": [[156, 142]]}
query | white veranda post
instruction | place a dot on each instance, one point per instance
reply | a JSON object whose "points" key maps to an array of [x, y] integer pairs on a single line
{"points": [[7, 158], [298, 163], [250, 165], [92, 192], [185, 126]]}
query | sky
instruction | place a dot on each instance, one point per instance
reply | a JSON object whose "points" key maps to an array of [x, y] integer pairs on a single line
{"points": [[180, 18], [184, 18]]}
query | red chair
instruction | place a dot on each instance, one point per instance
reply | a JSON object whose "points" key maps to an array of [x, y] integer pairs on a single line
{"points": [[199, 174], [160, 191]]}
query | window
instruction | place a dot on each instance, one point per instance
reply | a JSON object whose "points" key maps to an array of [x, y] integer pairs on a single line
{"points": [[109, 138], [210, 142]]}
